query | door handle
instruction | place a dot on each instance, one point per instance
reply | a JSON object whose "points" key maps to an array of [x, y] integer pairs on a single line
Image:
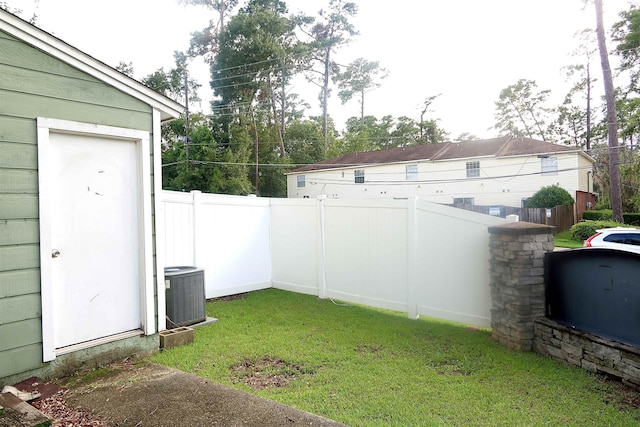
{"points": [[55, 253]]}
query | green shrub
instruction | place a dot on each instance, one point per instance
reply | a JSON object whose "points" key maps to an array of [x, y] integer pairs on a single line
{"points": [[603, 203], [631, 218], [598, 215], [550, 197], [607, 215], [586, 229]]}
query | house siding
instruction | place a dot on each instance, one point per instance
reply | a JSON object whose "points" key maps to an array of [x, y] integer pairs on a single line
{"points": [[36, 84], [502, 181]]}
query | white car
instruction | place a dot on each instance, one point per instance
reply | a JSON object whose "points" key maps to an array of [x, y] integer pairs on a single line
{"points": [[627, 239]]}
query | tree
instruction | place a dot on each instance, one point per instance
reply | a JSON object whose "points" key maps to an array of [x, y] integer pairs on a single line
{"points": [[125, 68], [628, 110], [204, 43], [426, 108], [364, 135], [432, 132], [569, 126], [614, 162], [303, 140], [247, 67], [18, 12], [626, 33], [330, 31], [521, 110], [573, 123], [550, 197], [211, 166], [465, 136], [630, 180], [405, 132], [360, 78], [174, 83]]}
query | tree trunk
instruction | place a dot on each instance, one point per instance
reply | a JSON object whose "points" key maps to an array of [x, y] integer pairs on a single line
{"points": [[588, 142], [275, 118], [283, 102], [325, 99], [186, 104], [612, 123], [522, 119], [257, 151], [362, 108], [537, 124]]}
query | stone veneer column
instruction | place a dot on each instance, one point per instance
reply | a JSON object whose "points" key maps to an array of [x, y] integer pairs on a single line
{"points": [[517, 280]]}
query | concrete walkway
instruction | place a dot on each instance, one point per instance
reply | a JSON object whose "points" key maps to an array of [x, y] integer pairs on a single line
{"points": [[154, 395]]}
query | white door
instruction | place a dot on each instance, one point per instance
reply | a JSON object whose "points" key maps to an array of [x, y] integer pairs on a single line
{"points": [[95, 235]]}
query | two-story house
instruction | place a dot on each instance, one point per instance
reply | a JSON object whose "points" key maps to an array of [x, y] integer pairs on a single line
{"points": [[499, 171]]}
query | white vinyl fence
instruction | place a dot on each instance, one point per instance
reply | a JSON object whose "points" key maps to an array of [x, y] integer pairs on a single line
{"points": [[406, 255]]}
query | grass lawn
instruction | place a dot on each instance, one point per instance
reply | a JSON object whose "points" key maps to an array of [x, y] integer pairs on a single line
{"points": [[369, 367], [564, 240]]}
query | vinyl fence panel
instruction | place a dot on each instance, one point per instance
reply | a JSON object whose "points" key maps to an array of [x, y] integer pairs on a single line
{"points": [[178, 228], [233, 244], [407, 255], [453, 264], [230, 240], [296, 245], [366, 252]]}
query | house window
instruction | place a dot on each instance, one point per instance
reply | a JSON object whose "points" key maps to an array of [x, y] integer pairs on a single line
{"points": [[301, 182], [411, 172], [463, 200], [549, 165], [473, 169], [359, 176]]}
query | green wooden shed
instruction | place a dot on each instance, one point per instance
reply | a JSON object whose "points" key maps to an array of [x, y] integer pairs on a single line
{"points": [[80, 278]]}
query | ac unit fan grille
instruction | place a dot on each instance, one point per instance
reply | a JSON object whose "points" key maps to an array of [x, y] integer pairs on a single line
{"points": [[185, 295]]}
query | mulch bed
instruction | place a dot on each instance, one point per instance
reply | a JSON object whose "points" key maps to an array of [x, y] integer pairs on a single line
{"points": [[53, 405]]}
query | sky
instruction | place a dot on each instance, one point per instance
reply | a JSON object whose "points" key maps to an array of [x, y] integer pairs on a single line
{"points": [[465, 50]]}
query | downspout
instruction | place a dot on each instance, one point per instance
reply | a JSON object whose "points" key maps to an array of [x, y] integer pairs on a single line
{"points": [[588, 190]]}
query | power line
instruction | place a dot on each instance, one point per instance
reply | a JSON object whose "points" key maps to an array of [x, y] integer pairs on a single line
{"points": [[331, 168], [281, 60]]}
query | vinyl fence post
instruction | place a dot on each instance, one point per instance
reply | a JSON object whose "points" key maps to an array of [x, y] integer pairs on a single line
{"points": [[322, 274], [197, 206], [412, 240]]}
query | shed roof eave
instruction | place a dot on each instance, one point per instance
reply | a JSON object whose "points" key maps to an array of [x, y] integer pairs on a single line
{"points": [[54, 46]]}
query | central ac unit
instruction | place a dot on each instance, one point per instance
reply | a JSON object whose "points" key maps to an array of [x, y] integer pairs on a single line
{"points": [[185, 297]]}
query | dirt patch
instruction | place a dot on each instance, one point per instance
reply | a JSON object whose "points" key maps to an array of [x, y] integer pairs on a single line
{"points": [[620, 394], [229, 297], [266, 372], [368, 348]]}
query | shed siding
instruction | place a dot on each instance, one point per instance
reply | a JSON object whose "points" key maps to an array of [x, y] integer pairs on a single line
{"points": [[36, 84]]}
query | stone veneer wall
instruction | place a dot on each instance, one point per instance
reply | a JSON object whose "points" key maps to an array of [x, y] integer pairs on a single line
{"points": [[518, 313], [517, 280], [588, 351]]}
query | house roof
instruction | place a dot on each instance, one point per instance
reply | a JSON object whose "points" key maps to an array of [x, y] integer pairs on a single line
{"points": [[56, 47], [494, 147]]}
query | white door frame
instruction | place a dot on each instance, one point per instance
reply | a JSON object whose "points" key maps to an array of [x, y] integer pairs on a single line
{"points": [[145, 238]]}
